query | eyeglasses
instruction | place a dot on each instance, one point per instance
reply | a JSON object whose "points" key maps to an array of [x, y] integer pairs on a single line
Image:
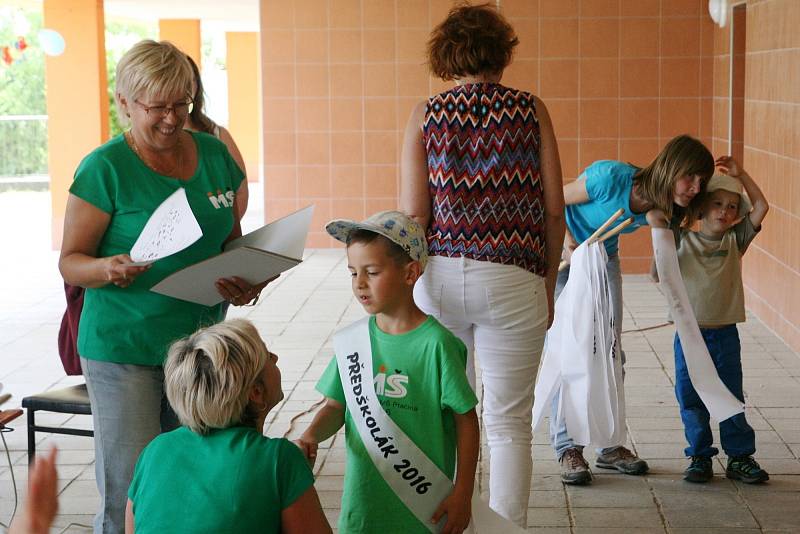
{"points": [[180, 109]]}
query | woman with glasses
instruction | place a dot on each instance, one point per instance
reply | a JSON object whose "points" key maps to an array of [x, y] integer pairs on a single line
{"points": [[125, 329]]}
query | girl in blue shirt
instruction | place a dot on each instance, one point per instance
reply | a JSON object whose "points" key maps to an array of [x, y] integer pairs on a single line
{"points": [[671, 183]]}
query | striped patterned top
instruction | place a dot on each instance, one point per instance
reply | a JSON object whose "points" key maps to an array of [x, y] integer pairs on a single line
{"points": [[482, 142]]}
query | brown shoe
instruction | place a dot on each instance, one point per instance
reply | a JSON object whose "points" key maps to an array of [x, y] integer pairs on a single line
{"points": [[623, 461], [574, 469]]}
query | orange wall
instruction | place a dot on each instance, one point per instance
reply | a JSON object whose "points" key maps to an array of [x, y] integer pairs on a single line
{"points": [[78, 110], [244, 104], [620, 77], [772, 157], [183, 33]]}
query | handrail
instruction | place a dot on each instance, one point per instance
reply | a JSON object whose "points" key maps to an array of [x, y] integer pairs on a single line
{"points": [[23, 117]]}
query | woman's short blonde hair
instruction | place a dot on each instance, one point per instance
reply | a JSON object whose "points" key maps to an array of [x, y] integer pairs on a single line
{"points": [[208, 375], [150, 69], [472, 40]]}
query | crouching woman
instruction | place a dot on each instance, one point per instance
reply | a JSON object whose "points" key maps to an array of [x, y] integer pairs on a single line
{"points": [[217, 472]]}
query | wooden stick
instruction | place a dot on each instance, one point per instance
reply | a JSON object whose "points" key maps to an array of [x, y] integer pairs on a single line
{"points": [[617, 229], [614, 216]]}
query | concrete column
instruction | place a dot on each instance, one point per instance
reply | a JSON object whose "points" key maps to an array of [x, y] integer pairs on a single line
{"points": [[77, 97], [244, 101], [183, 33]]}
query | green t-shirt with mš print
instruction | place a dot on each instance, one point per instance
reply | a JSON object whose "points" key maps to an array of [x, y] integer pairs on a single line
{"points": [[134, 325], [421, 382]]}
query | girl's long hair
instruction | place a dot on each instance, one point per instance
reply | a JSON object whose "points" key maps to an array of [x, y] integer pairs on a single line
{"points": [[200, 120], [682, 155]]}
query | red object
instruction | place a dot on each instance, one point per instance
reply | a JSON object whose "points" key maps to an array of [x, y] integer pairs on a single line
{"points": [[6, 416], [21, 44], [68, 333], [7, 59]]}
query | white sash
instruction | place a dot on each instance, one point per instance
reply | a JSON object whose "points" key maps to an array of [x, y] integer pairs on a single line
{"points": [[721, 403], [408, 471]]}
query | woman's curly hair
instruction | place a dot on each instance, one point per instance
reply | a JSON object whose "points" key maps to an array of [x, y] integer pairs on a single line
{"points": [[471, 40]]}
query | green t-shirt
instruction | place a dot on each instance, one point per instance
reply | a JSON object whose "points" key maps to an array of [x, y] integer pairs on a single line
{"points": [[135, 325], [233, 480], [421, 381]]}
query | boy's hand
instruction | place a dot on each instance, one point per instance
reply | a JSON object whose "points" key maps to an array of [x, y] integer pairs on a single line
{"points": [[729, 166], [458, 509], [309, 450]]}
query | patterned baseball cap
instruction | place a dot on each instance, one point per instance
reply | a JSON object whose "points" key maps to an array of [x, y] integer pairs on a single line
{"points": [[732, 185], [396, 226]]}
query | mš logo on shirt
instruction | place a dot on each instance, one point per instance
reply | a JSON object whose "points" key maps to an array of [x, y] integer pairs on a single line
{"points": [[220, 199], [391, 385]]}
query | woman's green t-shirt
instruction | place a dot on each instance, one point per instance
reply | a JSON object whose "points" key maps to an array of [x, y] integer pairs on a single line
{"points": [[233, 480], [134, 325]]}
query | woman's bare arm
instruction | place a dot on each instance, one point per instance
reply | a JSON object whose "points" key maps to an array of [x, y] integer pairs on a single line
{"points": [[415, 198], [243, 193], [554, 226], [84, 227], [305, 515]]}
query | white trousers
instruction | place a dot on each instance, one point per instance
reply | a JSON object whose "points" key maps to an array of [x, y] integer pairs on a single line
{"points": [[500, 312]]}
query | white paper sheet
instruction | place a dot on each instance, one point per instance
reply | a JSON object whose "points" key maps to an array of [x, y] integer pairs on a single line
{"points": [[255, 257], [721, 403], [170, 229]]}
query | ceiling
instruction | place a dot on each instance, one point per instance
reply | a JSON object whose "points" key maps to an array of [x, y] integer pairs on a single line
{"points": [[228, 15]]}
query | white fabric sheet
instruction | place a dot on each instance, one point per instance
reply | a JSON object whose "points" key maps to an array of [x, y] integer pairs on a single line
{"points": [[581, 360]]}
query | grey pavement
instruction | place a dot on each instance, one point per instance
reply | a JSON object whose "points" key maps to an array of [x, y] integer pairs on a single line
{"points": [[297, 316]]}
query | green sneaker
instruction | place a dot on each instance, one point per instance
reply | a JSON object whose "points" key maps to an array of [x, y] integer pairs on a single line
{"points": [[700, 470], [746, 469]]}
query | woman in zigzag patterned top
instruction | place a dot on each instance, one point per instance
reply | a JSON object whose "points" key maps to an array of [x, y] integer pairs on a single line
{"points": [[481, 172]]}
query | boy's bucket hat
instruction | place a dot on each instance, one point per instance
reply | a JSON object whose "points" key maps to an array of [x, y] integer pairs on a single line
{"points": [[733, 185], [396, 226]]}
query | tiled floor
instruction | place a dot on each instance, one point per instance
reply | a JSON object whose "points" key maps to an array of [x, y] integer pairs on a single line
{"points": [[297, 316]]}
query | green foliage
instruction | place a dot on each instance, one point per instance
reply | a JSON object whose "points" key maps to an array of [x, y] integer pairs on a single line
{"points": [[22, 85], [22, 92], [120, 37]]}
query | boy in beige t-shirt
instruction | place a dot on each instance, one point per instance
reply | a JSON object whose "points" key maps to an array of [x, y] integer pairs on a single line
{"points": [[710, 263]]}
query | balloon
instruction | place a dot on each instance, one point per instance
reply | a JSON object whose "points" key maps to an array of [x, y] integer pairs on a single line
{"points": [[51, 42]]}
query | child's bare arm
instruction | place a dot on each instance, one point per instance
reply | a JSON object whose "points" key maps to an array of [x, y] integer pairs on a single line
{"points": [[328, 420], [731, 167], [458, 505], [657, 219]]}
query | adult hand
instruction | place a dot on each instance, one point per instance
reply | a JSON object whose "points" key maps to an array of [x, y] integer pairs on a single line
{"points": [[729, 166], [551, 309], [458, 509], [569, 247], [309, 450], [239, 291], [42, 503], [119, 271]]}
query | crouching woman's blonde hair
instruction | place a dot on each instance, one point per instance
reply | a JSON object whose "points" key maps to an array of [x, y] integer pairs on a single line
{"points": [[208, 376]]}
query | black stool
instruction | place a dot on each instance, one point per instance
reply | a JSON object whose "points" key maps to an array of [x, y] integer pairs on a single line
{"points": [[74, 399]]}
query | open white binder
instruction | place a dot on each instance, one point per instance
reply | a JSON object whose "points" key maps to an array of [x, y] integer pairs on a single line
{"points": [[255, 257]]}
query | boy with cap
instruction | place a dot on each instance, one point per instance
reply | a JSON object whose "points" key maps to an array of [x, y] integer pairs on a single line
{"points": [[413, 408], [710, 263]]}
